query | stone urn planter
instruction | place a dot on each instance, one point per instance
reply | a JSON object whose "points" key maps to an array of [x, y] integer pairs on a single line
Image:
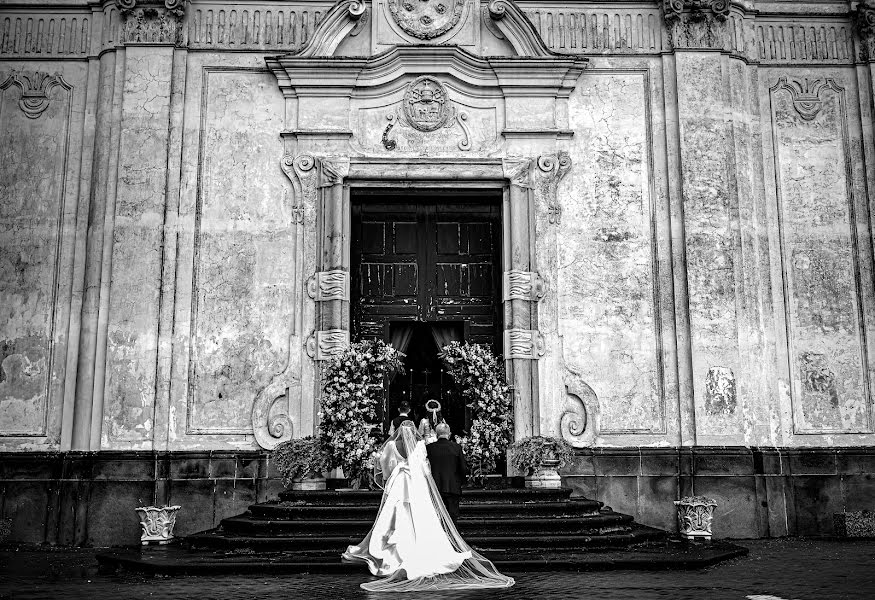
{"points": [[695, 514], [301, 463], [540, 458], [546, 476], [157, 523], [311, 483]]}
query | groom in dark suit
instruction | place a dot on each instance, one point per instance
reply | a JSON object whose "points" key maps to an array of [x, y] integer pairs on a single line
{"points": [[448, 469]]}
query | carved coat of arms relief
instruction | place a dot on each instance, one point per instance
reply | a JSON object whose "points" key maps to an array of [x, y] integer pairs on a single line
{"points": [[426, 108], [426, 19]]}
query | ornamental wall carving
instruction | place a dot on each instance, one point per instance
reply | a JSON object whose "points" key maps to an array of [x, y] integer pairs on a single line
{"points": [[807, 94], [864, 23], [696, 23], [36, 88], [426, 19], [152, 22], [426, 121]]}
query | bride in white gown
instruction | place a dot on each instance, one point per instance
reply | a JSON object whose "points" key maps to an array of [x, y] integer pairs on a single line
{"points": [[413, 543]]}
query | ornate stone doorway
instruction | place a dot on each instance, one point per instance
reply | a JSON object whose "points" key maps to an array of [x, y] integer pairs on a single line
{"points": [[370, 108]]}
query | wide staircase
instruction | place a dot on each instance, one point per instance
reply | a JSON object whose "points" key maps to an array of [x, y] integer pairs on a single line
{"points": [[517, 528]]}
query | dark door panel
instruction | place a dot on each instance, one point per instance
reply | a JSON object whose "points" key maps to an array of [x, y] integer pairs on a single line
{"points": [[420, 257]]}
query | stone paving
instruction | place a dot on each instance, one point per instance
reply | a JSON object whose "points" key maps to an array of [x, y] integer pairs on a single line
{"points": [[786, 569]]}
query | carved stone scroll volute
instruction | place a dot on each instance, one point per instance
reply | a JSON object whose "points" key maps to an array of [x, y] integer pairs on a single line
{"points": [[551, 169]]}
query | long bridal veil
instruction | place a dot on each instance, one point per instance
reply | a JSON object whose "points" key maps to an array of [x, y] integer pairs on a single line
{"points": [[413, 543]]}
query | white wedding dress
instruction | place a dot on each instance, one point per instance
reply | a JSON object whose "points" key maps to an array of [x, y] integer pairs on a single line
{"points": [[413, 543]]}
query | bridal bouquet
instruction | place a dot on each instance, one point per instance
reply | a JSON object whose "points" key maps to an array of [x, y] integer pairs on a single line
{"points": [[480, 376], [349, 409]]}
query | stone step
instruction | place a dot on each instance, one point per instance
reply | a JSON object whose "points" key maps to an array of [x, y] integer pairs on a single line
{"points": [[218, 538], [372, 497], [278, 511], [468, 525], [176, 560]]}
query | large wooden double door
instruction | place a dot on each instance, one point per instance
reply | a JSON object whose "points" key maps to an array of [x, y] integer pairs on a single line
{"points": [[426, 257]]}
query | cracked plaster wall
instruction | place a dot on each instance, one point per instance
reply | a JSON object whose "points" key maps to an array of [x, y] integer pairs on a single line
{"points": [[769, 228]]}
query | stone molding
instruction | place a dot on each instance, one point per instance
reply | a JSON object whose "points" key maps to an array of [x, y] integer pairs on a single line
{"points": [[35, 86], [329, 285], [517, 29], [152, 22], [575, 424], [523, 285], [523, 343], [339, 22], [864, 23], [696, 24]]}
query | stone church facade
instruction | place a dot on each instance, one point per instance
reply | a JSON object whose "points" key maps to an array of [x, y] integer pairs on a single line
{"points": [[683, 291]]}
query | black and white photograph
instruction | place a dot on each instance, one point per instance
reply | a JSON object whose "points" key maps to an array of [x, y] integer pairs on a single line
{"points": [[437, 299]]}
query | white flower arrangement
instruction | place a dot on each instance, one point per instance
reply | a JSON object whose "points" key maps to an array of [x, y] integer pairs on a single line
{"points": [[481, 378], [349, 410]]}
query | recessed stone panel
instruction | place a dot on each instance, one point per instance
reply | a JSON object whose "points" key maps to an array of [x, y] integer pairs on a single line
{"points": [[607, 306], [33, 149], [244, 245], [828, 365]]}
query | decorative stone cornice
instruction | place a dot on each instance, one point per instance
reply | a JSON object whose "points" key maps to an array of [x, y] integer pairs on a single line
{"points": [[696, 24], [152, 22], [864, 23]]}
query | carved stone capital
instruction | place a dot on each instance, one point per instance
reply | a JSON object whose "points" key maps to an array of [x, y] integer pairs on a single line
{"points": [[523, 285], [157, 523], [518, 171], [152, 22], [332, 170], [696, 24], [325, 344], [524, 343], [329, 285], [864, 23], [35, 90]]}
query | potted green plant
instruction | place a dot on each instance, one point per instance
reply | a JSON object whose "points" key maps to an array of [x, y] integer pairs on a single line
{"points": [[302, 463], [540, 457]]}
